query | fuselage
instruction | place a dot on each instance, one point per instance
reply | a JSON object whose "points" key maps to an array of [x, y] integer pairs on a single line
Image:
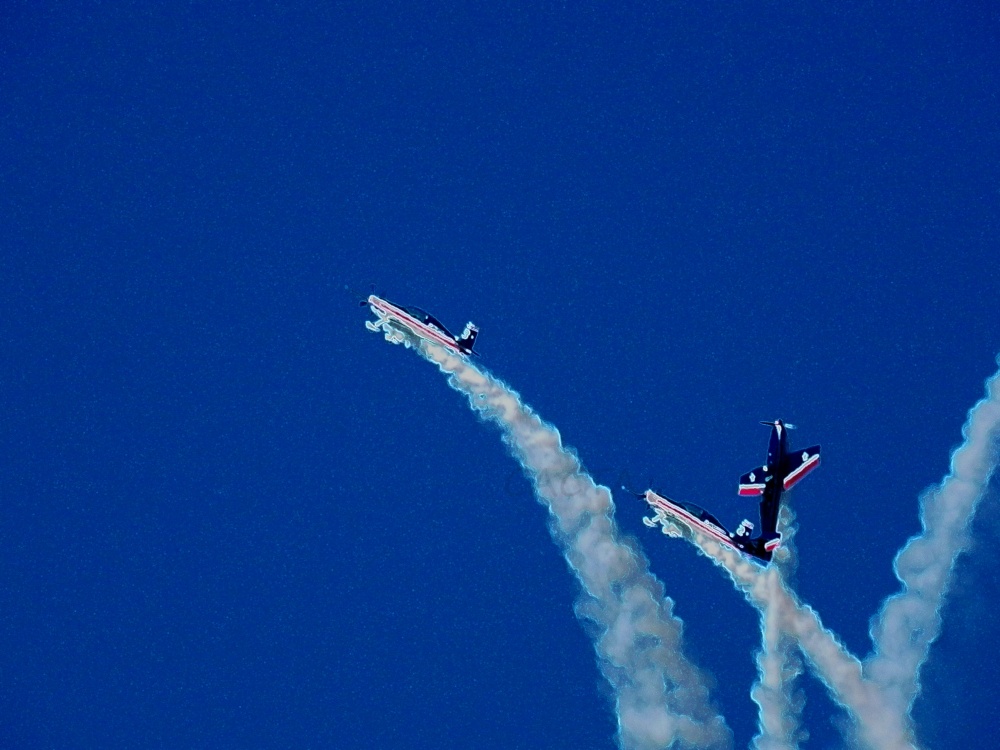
{"points": [[418, 322], [777, 449], [694, 517], [777, 446]]}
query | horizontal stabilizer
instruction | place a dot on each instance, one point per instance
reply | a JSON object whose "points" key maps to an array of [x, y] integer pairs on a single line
{"points": [[800, 463], [773, 543], [753, 482]]}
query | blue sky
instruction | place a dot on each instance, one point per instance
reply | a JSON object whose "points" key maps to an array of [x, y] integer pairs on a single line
{"points": [[234, 518]]}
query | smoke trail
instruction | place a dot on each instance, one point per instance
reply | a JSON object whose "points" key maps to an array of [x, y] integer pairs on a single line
{"points": [[778, 663], [661, 697], [909, 621], [838, 669]]}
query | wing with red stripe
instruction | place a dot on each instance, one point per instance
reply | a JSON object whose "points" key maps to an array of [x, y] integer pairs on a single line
{"points": [[800, 463], [753, 482]]}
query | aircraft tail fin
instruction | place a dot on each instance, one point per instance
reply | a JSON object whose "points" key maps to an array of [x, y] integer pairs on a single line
{"points": [[468, 337]]}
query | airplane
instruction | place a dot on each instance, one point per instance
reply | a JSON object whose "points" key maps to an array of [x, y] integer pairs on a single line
{"points": [[783, 469], [394, 319]]}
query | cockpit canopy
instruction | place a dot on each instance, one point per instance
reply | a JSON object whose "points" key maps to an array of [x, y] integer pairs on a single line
{"points": [[427, 319], [700, 513]]}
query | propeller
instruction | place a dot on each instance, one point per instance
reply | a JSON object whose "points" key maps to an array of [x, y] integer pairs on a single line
{"points": [[640, 495], [362, 298], [786, 425]]}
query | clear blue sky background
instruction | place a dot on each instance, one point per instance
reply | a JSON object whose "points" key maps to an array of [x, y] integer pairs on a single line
{"points": [[231, 517]]}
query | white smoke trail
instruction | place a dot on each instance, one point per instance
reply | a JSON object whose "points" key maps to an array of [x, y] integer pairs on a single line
{"points": [[661, 697], [778, 663], [909, 621], [836, 667], [879, 696]]}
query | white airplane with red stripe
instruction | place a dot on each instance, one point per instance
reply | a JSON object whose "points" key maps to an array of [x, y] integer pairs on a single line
{"points": [[783, 470], [394, 320]]}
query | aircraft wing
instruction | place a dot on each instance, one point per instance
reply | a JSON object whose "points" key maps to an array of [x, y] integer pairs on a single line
{"points": [[753, 482], [800, 463]]}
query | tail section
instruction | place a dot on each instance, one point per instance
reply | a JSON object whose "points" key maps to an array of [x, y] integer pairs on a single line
{"points": [[468, 337], [771, 541]]}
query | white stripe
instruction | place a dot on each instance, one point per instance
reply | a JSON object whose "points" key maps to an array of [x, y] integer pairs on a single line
{"points": [[679, 514], [793, 477], [421, 329]]}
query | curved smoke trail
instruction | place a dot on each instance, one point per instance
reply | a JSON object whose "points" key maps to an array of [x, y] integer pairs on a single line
{"points": [[835, 666], [880, 693], [910, 620], [661, 697]]}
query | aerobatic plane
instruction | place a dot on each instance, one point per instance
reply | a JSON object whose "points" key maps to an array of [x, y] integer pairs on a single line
{"points": [[782, 470], [394, 319]]}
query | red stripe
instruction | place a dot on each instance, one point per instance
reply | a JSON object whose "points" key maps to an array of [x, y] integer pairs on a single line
{"points": [[792, 479], [412, 323], [674, 510]]}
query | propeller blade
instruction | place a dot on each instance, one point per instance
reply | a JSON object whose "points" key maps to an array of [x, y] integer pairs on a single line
{"points": [[362, 299]]}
